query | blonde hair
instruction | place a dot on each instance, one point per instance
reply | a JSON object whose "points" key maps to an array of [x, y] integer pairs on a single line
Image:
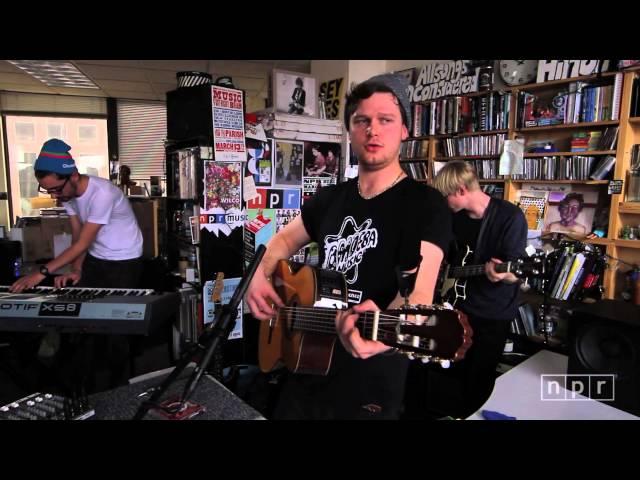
{"points": [[455, 174]]}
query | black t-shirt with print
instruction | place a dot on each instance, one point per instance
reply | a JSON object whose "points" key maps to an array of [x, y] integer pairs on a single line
{"points": [[366, 240]]}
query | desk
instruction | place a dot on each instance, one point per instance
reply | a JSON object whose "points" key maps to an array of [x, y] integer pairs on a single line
{"points": [[517, 394], [122, 403]]}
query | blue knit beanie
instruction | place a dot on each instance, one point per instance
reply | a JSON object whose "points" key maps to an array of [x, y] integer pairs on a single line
{"points": [[55, 157]]}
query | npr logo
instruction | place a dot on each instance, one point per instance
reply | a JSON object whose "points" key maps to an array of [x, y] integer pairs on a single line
{"points": [[577, 387], [275, 198]]}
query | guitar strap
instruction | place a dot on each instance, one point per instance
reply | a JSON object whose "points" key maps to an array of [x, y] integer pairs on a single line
{"points": [[486, 220]]}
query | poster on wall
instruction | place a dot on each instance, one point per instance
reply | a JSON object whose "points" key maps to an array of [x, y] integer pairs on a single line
{"points": [[263, 224], [439, 79], [284, 216], [259, 228], [560, 69], [294, 93], [228, 124], [571, 211], [330, 94], [321, 166], [259, 162], [229, 286], [222, 197], [288, 164]]}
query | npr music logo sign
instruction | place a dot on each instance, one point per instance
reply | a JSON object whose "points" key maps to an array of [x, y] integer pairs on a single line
{"points": [[577, 387]]}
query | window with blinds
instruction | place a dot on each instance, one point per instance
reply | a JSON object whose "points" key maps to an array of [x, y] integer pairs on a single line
{"points": [[142, 129]]}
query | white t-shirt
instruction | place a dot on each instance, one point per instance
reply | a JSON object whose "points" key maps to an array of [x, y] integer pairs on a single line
{"points": [[119, 238]]}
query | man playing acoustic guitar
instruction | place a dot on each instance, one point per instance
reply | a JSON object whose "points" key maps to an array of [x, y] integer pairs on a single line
{"points": [[366, 228], [495, 231]]}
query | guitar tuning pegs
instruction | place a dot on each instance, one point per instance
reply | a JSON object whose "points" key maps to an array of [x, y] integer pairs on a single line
{"points": [[425, 359], [445, 363]]}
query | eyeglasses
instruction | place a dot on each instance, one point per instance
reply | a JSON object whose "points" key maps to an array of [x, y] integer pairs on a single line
{"points": [[53, 190]]}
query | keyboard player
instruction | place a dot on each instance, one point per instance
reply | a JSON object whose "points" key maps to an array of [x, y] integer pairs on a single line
{"points": [[106, 251]]}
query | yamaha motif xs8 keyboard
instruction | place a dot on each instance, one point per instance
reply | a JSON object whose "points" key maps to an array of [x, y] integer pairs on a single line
{"points": [[92, 310]]}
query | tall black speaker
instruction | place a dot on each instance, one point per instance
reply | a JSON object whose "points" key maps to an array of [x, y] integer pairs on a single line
{"points": [[604, 338], [189, 113]]}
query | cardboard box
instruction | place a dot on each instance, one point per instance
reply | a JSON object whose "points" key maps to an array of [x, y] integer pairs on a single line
{"points": [[49, 227]]}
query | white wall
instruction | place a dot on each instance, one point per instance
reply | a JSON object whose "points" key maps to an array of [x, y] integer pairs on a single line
{"points": [[326, 70], [361, 70]]}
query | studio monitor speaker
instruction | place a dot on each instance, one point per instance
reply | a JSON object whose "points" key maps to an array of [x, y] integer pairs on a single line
{"points": [[606, 340]]}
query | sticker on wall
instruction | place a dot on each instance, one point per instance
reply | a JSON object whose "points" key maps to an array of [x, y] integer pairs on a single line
{"points": [[276, 198], [259, 163]]}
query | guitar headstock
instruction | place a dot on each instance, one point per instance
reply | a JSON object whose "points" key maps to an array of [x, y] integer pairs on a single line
{"points": [[431, 333], [216, 294], [532, 266]]}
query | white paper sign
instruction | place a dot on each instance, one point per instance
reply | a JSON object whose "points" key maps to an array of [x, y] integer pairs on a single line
{"points": [[229, 286], [511, 160], [249, 191], [228, 124]]}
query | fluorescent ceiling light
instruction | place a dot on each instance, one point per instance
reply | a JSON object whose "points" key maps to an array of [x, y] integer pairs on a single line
{"points": [[55, 73]]}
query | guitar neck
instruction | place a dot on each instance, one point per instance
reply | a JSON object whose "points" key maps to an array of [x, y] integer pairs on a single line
{"points": [[322, 320], [475, 270]]}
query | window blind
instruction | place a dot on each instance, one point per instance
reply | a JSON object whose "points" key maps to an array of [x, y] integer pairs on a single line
{"points": [[142, 129], [45, 103]]}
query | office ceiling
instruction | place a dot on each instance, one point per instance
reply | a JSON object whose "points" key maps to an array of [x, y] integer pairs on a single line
{"points": [[151, 79]]}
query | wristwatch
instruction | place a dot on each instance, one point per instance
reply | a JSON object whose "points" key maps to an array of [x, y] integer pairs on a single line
{"points": [[44, 271]]}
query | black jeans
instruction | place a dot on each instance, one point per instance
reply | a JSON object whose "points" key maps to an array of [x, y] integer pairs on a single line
{"points": [[98, 361], [355, 389], [478, 368], [100, 273]]}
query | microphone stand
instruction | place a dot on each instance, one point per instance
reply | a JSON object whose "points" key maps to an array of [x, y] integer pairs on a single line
{"points": [[208, 341]]}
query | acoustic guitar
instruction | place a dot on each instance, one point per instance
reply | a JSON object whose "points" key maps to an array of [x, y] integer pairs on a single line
{"points": [[302, 337]]}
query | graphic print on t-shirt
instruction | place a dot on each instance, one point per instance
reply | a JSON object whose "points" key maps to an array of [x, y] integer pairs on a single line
{"points": [[344, 251]]}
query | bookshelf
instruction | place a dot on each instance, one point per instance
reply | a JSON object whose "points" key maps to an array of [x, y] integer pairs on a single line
{"points": [[508, 110]]}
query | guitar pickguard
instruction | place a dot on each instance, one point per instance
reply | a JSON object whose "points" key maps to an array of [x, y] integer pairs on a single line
{"points": [[460, 284]]}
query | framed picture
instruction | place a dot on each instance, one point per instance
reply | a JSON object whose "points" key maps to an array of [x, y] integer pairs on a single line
{"points": [[571, 212], [409, 74], [295, 93]]}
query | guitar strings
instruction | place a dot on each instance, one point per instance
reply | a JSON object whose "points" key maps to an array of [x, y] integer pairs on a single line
{"points": [[300, 315], [319, 311]]}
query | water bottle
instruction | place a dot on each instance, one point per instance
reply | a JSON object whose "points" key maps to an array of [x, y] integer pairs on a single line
{"points": [[17, 267]]}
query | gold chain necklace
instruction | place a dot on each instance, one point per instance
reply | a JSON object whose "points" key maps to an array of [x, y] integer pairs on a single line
{"points": [[398, 178]]}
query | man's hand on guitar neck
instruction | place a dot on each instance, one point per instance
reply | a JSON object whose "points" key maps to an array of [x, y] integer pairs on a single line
{"points": [[350, 335], [493, 276], [261, 295]]}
